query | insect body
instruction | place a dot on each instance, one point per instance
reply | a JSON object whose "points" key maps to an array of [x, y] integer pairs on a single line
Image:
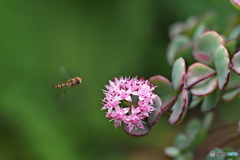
{"points": [[71, 82]]}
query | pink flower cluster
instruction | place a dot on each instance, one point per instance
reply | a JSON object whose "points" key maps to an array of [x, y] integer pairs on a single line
{"points": [[128, 100]]}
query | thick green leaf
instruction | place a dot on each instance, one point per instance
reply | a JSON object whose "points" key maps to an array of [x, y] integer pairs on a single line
{"points": [[210, 101], [179, 108], [175, 45], [193, 128], [235, 32], [211, 155], [180, 141], [231, 95], [195, 102], [234, 81], [204, 87], [200, 136], [190, 26], [207, 121], [164, 90], [185, 156], [206, 46], [194, 133], [222, 63], [236, 63], [231, 46], [197, 72], [186, 53], [178, 74], [137, 132], [153, 118], [181, 28], [193, 26], [171, 151], [189, 156], [199, 30]]}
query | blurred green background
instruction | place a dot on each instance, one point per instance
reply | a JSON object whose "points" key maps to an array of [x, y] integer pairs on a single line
{"points": [[95, 40]]}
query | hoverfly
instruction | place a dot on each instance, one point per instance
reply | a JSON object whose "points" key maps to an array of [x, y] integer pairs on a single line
{"points": [[71, 82]]}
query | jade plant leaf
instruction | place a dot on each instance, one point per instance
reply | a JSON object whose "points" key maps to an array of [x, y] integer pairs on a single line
{"points": [[187, 156], [153, 118], [199, 30], [204, 87], [236, 63], [235, 32], [210, 101], [180, 141], [178, 74], [164, 90], [211, 154], [198, 72], [206, 46], [192, 128], [183, 28], [179, 108], [231, 46], [186, 53], [195, 133], [171, 151], [233, 82], [230, 95], [195, 102], [176, 44], [138, 131], [207, 121], [200, 136], [222, 63]]}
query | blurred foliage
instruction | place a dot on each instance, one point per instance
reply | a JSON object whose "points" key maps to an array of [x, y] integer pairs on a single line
{"points": [[95, 40]]}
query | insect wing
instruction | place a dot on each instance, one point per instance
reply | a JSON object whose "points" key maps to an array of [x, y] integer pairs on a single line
{"points": [[64, 72]]}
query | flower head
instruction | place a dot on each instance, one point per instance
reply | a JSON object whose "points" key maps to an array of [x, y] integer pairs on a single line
{"points": [[128, 100]]}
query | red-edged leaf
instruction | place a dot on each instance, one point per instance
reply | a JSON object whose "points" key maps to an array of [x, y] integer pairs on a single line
{"points": [[198, 72], [222, 63], [210, 101], [205, 47], [195, 101], [153, 118], [164, 90], [137, 132], [236, 63], [175, 46], [178, 74], [204, 87], [231, 95], [179, 108]]}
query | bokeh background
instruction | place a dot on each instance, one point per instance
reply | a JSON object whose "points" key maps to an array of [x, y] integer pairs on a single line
{"points": [[95, 40]]}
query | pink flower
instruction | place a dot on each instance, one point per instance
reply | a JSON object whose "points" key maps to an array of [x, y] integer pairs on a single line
{"points": [[237, 2], [128, 100]]}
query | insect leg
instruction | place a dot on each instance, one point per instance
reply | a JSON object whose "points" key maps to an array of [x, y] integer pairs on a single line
{"points": [[63, 94]]}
